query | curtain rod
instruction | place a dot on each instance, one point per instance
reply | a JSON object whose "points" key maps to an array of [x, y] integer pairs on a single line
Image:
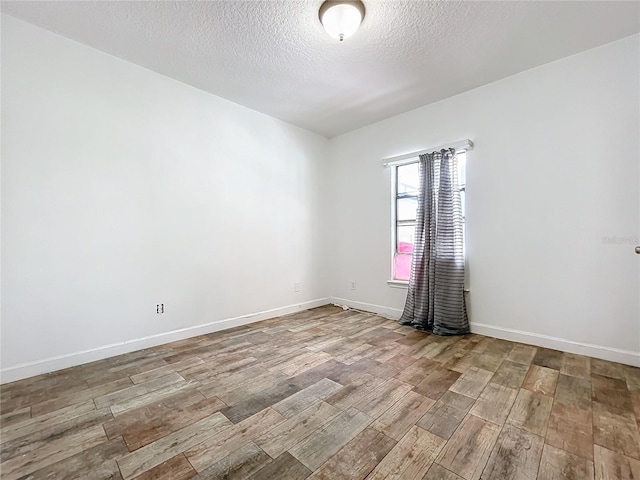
{"points": [[465, 144]]}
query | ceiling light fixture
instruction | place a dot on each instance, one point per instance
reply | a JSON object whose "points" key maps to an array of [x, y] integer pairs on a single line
{"points": [[341, 18]]}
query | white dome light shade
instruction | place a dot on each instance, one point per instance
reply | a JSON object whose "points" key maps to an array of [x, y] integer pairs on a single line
{"points": [[341, 19]]}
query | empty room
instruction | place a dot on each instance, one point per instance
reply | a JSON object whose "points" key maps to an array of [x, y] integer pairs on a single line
{"points": [[308, 239]]}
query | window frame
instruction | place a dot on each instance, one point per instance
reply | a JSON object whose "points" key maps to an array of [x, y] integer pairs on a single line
{"points": [[409, 160]]}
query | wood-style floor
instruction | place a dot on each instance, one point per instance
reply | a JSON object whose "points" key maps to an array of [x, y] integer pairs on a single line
{"points": [[327, 394]]}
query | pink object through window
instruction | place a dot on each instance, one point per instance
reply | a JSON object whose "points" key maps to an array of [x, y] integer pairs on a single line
{"points": [[404, 247], [402, 260]]}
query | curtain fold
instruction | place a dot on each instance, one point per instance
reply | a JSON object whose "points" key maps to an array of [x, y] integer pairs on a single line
{"points": [[435, 299]]}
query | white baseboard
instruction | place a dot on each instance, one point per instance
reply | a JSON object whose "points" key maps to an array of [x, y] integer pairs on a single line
{"points": [[597, 351], [52, 364], [393, 313], [627, 357]]}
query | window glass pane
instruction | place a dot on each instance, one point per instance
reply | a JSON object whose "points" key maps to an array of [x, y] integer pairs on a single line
{"points": [[405, 236], [402, 266], [462, 197], [406, 208], [408, 178]]}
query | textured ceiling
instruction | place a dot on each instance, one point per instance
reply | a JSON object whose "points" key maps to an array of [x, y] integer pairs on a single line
{"points": [[273, 55]]}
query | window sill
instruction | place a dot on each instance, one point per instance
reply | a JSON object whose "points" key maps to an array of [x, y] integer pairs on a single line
{"points": [[405, 284], [398, 283]]}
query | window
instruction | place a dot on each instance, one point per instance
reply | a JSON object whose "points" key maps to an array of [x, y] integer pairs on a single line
{"points": [[405, 179]]}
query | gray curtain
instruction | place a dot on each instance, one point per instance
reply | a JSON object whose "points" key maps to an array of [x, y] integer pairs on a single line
{"points": [[435, 300]]}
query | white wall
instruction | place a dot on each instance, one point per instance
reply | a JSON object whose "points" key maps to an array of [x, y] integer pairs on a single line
{"points": [[555, 171], [122, 189]]}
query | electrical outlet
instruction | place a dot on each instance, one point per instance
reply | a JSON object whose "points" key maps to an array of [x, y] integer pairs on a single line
{"points": [[353, 285], [296, 287], [160, 308]]}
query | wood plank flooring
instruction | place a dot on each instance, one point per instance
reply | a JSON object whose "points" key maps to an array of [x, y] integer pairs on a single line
{"points": [[327, 394]]}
